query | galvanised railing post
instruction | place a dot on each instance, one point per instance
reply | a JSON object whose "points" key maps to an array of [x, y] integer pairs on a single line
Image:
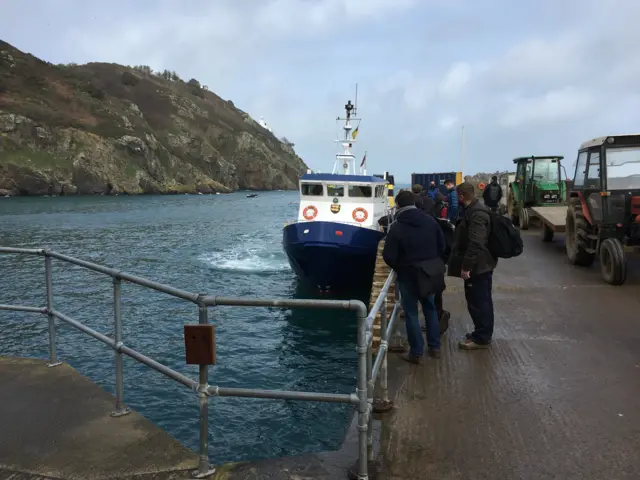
{"points": [[383, 404], [396, 341], [383, 329], [370, 402], [361, 390], [205, 469], [121, 409], [48, 273]]}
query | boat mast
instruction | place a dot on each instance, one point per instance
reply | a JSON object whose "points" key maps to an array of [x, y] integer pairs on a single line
{"points": [[345, 161]]}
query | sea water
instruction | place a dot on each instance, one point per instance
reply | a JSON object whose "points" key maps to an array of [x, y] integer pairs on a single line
{"points": [[217, 244]]}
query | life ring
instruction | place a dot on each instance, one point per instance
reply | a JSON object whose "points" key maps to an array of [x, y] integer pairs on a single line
{"points": [[312, 215], [360, 214], [482, 186]]}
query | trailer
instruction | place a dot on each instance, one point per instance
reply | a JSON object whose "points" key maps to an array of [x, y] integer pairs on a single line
{"points": [[552, 218]]}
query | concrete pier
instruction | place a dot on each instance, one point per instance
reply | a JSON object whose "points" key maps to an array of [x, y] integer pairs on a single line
{"points": [[556, 397], [55, 423]]}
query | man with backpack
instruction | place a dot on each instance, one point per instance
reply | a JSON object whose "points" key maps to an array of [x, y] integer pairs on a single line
{"points": [[414, 248], [472, 261], [492, 194]]}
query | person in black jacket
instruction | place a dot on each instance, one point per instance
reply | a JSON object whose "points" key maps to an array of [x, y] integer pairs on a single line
{"points": [[492, 194], [472, 261], [413, 248]]}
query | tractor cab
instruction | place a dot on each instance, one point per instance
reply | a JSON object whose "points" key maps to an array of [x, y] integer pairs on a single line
{"points": [[538, 182], [603, 215]]}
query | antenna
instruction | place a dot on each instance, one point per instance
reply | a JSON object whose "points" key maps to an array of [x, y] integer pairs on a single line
{"points": [[355, 110], [462, 154]]}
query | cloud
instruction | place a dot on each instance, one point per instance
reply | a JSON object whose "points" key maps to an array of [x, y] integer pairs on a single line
{"points": [[520, 76], [456, 79], [557, 106]]}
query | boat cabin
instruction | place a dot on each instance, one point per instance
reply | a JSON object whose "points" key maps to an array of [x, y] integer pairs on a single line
{"points": [[354, 199]]}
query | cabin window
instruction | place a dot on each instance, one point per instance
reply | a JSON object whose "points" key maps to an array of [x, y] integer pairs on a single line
{"points": [[360, 191], [335, 190], [379, 191], [311, 189]]}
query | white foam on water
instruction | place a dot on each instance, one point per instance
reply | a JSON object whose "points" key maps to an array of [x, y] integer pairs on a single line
{"points": [[250, 257]]}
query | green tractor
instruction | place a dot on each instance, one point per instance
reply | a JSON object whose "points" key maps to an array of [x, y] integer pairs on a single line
{"points": [[538, 183]]}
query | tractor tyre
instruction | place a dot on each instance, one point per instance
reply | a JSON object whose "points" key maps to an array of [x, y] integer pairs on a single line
{"points": [[613, 262], [523, 216], [546, 233], [576, 234]]}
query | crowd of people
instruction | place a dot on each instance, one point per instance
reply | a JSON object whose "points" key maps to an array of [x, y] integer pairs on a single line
{"points": [[433, 235]]}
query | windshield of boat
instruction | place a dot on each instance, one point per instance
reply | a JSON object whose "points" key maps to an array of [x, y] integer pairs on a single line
{"points": [[335, 190], [546, 170], [361, 191], [623, 168], [311, 189]]}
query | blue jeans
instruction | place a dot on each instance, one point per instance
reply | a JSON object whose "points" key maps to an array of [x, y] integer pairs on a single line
{"points": [[409, 302], [477, 291]]}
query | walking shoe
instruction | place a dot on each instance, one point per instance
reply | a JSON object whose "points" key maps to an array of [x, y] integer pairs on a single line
{"points": [[434, 353], [407, 357], [469, 344]]}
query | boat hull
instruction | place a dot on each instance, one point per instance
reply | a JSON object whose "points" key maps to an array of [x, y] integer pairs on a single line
{"points": [[331, 255]]}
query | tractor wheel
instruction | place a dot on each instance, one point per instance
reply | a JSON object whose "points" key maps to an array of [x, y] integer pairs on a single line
{"points": [[523, 216], [546, 233], [576, 234], [613, 262]]}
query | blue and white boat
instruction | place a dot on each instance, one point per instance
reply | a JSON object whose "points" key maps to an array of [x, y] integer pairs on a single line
{"points": [[334, 241]]}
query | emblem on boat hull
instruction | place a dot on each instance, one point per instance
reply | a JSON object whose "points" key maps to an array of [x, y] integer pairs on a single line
{"points": [[335, 208]]}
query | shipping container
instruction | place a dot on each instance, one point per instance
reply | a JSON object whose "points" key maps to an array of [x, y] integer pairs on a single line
{"points": [[425, 179]]}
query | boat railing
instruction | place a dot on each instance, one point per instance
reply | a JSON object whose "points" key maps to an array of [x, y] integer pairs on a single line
{"points": [[368, 368]]}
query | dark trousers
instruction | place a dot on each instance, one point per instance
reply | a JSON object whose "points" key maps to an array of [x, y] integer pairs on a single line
{"points": [[477, 291], [438, 302]]}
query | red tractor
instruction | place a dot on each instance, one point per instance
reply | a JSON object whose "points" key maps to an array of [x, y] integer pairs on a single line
{"points": [[603, 215]]}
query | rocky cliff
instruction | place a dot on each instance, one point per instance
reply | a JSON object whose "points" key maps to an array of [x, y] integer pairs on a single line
{"points": [[106, 128]]}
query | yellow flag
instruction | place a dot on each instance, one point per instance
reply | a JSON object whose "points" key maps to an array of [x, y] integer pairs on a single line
{"points": [[354, 134]]}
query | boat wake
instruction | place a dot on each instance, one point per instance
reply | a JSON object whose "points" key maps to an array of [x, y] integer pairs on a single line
{"points": [[247, 258]]}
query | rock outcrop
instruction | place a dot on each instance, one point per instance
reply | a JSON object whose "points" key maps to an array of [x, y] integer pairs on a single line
{"points": [[105, 128]]}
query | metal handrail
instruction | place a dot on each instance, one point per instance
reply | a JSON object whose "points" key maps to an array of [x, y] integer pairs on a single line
{"points": [[366, 375]]}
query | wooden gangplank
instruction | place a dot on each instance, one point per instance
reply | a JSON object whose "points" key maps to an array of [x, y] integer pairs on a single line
{"points": [[553, 216]]}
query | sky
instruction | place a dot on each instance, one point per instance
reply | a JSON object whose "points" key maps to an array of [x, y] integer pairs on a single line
{"points": [[523, 77]]}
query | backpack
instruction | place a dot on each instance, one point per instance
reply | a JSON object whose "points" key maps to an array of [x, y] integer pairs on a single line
{"points": [[494, 192], [504, 239]]}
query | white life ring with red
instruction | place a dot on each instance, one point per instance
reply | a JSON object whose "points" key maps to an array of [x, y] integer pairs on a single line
{"points": [[360, 214], [310, 212]]}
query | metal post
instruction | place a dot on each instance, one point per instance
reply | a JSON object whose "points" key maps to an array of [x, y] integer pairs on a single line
{"points": [[383, 404], [396, 342], [370, 403], [205, 469], [121, 409], [360, 472], [53, 360]]}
